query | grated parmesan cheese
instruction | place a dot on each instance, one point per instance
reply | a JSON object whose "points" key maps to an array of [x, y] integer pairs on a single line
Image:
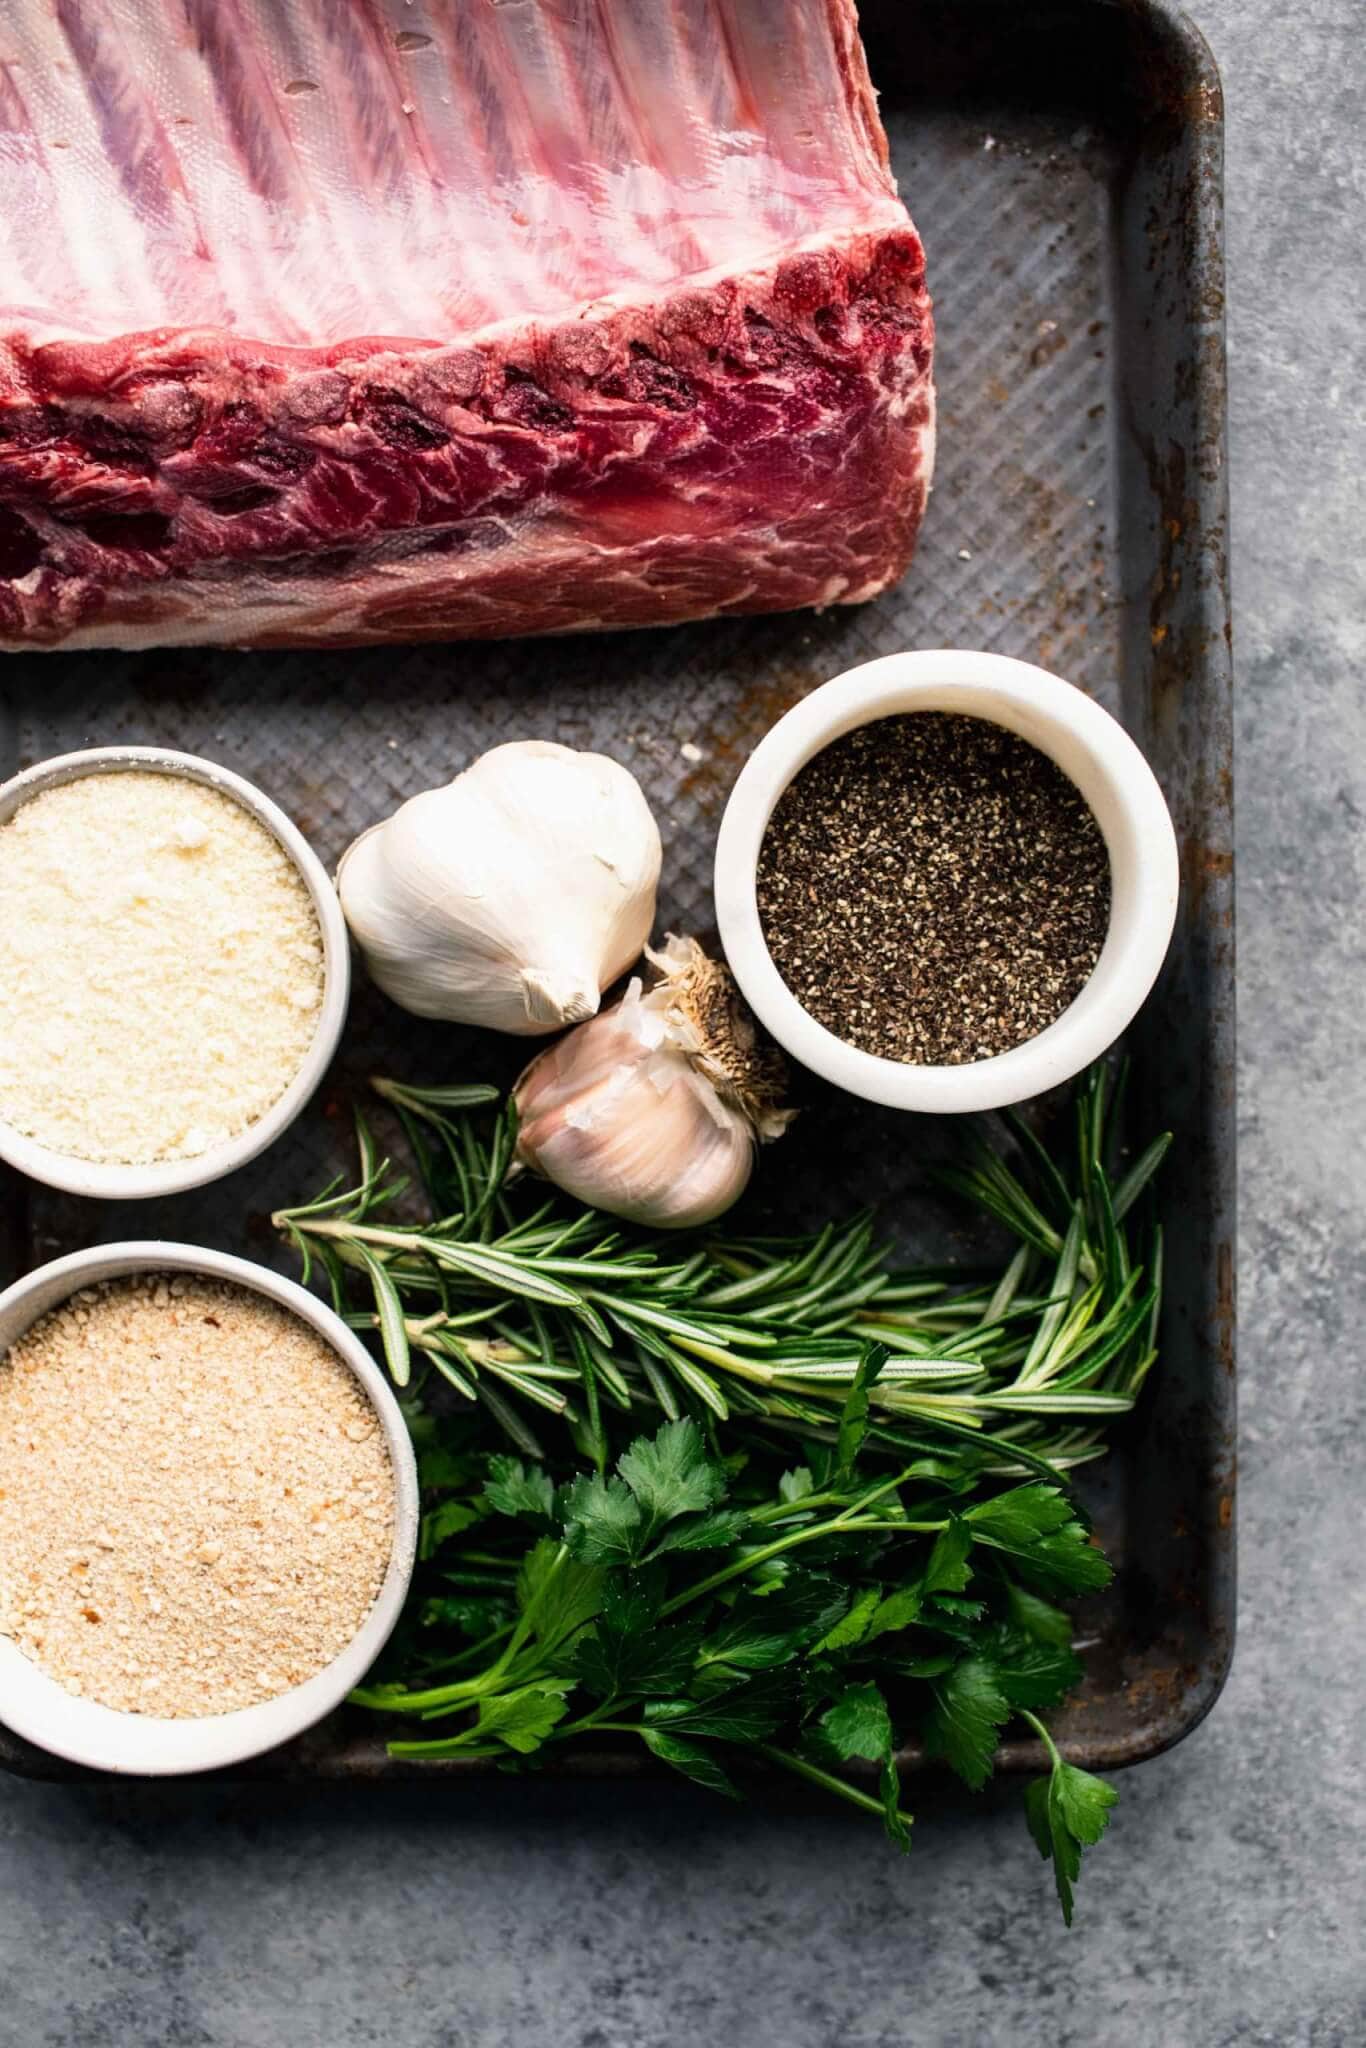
{"points": [[162, 967]]}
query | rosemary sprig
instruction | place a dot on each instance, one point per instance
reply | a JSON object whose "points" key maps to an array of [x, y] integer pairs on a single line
{"points": [[526, 1304]]}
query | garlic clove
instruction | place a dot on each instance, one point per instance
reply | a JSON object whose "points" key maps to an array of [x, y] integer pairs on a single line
{"points": [[652, 1154], [653, 1110], [553, 1000], [613, 1041]]}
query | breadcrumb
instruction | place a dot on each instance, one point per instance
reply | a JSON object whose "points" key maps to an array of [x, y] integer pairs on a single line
{"points": [[196, 1499]]}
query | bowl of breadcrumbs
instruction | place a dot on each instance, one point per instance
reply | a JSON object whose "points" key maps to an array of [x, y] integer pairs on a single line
{"points": [[176, 971], [208, 1509]]}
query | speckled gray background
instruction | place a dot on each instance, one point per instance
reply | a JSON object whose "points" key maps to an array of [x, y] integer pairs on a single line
{"points": [[1227, 1905]]}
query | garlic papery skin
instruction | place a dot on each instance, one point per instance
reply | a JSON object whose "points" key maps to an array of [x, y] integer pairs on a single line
{"points": [[653, 1110], [513, 896]]}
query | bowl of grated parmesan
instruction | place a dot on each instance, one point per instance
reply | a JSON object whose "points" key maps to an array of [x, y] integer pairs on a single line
{"points": [[176, 969], [208, 1509]]}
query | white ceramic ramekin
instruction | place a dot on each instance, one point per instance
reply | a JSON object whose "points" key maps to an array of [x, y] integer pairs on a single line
{"points": [[173, 1176], [1110, 772], [148, 1745]]}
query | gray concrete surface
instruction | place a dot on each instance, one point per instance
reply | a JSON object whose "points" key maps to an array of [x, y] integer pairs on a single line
{"points": [[1227, 1907]]}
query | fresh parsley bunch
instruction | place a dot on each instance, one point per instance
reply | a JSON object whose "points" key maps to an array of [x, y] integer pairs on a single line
{"points": [[722, 1611]]}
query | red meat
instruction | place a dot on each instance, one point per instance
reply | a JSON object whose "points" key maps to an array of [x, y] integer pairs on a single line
{"points": [[337, 321]]}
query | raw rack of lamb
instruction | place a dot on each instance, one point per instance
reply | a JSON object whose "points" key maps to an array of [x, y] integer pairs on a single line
{"points": [[325, 322]]}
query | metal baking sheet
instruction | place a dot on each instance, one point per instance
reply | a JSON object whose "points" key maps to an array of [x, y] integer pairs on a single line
{"points": [[1063, 160]]}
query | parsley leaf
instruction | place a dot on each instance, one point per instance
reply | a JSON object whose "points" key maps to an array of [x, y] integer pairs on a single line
{"points": [[793, 1486], [1067, 1811], [899, 1610], [469, 1614], [853, 1626], [1017, 1519], [968, 1712], [889, 1790], [522, 1719], [513, 1488], [948, 1570], [704, 1532], [602, 1520], [671, 1474], [661, 1478], [440, 1469], [1037, 1618], [951, 1607], [631, 1601], [1030, 1673], [759, 1633], [659, 1661], [858, 1724], [440, 1523], [745, 1713], [919, 1667], [956, 1478], [558, 1592], [629, 1651], [871, 1615], [1037, 1525], [691, 1758]]}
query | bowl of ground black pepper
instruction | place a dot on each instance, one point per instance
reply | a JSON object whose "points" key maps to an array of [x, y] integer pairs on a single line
{"points": [[208, 1508], [946, 881]]}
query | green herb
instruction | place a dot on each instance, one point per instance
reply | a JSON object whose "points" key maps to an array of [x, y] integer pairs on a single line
{"points": [[822, 1629], [1069, 1810], [803, 1509], [548, 1308]]}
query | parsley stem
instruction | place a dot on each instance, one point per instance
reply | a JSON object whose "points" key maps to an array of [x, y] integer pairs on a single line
{"points": [[526, 1622], [594, 1724], [464, 1692], [841, 1525], [829, 1781], [443, 1746], [886, 1486], [806, 1501], [474, 1650], [1037, 1725], [381, 1700]]}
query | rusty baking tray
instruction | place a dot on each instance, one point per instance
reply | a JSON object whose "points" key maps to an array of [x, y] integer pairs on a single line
{"points": [[1063, 159]]}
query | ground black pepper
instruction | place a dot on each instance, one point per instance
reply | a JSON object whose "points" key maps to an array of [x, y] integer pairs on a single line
{"points": [[933, 889]]}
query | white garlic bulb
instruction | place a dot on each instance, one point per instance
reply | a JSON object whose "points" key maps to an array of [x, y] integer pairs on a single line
{"points": [[653, 1110], [513, 896]]}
